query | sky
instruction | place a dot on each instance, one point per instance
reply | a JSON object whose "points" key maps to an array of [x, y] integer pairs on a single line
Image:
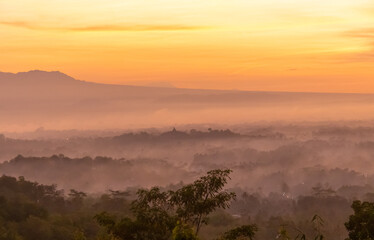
{"points": [[267, 45]]}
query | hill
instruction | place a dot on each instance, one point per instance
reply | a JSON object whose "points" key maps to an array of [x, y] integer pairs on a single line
{"points": [[53, 100]]}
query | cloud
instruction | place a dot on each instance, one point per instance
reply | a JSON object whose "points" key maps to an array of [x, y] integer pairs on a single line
{"points": [[363, 56], [359, 57], [368, 10], [18, 24], [135, 28], [108, 28], [361, 33]]}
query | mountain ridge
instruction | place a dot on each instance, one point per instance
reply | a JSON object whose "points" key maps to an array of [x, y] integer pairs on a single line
{"points": [[41, 76], [35, 74], [54, 100]]}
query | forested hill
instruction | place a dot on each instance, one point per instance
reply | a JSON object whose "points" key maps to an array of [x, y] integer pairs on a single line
{"points": [[126, 144]]}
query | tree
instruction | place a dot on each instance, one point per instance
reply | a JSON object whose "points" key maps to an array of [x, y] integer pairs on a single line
{"points": [[160, 215], [76, 199], [317, 224], [361, 224], [153, 211], [195, 201], [320, 191], [242, 232], [116, 201], [183, 232], [153, 220]]}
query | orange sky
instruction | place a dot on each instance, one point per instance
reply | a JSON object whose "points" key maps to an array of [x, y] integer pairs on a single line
{"points": [[277, 45]]}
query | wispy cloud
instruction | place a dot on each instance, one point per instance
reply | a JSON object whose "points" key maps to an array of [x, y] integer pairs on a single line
{"points": [[18, 24], [136, 28], [367, 56], [361, 33], [362, 56], [108, 28]]}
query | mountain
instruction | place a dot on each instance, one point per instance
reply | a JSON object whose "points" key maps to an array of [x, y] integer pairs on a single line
{"points": [[54, 100], [36, 76], [51, 85]]}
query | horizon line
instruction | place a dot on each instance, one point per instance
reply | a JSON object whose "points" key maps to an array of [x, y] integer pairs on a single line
{"points": [[185, 88]]}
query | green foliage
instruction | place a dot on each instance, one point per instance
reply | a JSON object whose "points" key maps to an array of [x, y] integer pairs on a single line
{"points": [[317, 224], [152, 207], [76, 199], [106, 220], [116, 202], [29, 211], [7, 233], [320, 191], [195, 201], [361, 224], [183, 232], [242, 232], [151, 225], [79, 235], [18, 210], [283, 234], [157, 213]]}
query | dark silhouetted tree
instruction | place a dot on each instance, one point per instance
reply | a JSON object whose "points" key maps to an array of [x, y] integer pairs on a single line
{"points": [[195, 201], [361, 224]]}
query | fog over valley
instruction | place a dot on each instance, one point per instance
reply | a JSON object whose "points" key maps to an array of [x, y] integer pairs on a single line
{"points": [[264, 158], [94, 153], [186, 120]]}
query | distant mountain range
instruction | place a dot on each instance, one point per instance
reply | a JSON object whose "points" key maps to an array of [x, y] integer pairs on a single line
{"points": [[36, 76], [54, 100]]}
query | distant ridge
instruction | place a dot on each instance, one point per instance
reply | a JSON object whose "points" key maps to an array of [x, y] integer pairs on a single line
{"points": [[54, 100], [38, 76], [44, 74], [41, 77]]}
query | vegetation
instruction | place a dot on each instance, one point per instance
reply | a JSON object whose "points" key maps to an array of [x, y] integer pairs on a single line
{"points": [[361, 224], [160, 215], [245, 231], [32, 211], [317, 223]]}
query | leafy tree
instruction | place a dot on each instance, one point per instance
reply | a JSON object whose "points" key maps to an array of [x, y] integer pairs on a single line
{"points": [[119, 194], [152, 218], [35, 228], [76, 199], [153, 210], [183, 232], [129, 229], [116, 201], [361, 224], [157, 213], [242, 232], [320, 191], [195, 201], [317, 224]]}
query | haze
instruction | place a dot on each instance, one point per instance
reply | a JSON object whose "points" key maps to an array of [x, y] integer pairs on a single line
{"points": [[170, 120], [269, 45], [53, 100]]}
